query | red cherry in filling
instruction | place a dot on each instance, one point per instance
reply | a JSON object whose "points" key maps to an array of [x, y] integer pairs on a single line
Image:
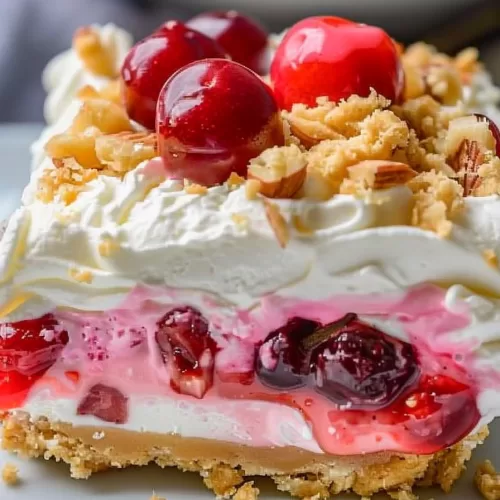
{"points": [[105, 403], [336, 58], [243, 38], [351, 363], [213, 117], [188, 351], [154, 60], [495, 131], [27, 350]]}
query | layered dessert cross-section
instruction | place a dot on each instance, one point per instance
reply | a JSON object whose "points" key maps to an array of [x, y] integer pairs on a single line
{"points": [[248, 255]]}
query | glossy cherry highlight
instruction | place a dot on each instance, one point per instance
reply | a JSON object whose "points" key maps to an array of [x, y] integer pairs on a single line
{"points": [[336, 58], [213, 117], [154, 60], [243, 38]]}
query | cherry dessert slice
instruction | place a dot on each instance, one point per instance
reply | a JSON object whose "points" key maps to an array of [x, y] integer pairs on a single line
{"points": [[243, 38], [151, 62], [335, 58], [213, 117]]}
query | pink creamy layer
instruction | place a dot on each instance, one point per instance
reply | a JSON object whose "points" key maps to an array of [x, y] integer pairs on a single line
{"points": [[118, 348]]}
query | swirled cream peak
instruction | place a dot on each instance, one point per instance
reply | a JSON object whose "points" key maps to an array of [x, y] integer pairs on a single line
{"points": [[67, 73]]}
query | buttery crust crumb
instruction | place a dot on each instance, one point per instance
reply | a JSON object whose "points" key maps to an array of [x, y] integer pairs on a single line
{"points": [[10, 474], [488, 481], [247, 492]]}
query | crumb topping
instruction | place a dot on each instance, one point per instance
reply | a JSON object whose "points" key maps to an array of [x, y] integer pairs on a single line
{"points": [[10, 474], [488, 481], [442, 154]]}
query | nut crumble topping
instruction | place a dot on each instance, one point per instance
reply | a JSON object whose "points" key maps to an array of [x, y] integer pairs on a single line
{"points": [[488, 481], [10, 474]]}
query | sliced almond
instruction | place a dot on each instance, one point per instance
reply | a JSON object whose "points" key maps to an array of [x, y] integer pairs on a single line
{"points": [[281, 171], [277, 222], [471, 129], [380, 174]]}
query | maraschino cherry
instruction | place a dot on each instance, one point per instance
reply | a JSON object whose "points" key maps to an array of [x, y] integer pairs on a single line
{"points": [[335, 58], [213, 117], [243, 38], [154, 60]]}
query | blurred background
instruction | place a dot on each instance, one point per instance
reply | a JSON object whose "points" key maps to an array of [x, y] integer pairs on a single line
{"points": [[33, 31]]}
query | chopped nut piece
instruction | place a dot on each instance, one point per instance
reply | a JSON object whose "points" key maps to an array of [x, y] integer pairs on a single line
{"points": [[437, 199], [235, 180], [78, 146], [443, 83], [277, 222], [110, 92], [252, 189], [96, 58], [82, 276], [471, 129], [105, 116], [281, 171], [10, 474], [488, 481], [125, 151], [376, 174]]}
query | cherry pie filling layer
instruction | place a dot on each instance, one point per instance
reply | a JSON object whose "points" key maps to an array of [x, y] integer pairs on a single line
{"points": [[359, 388]]}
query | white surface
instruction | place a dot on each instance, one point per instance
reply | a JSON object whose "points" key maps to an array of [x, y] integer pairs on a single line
{"points": [[134, 484]]}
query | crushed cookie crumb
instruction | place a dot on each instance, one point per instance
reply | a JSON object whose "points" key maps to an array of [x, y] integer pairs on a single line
{"points": [[437, 200], [10, 474], [223, 480], [235, 180], [108, 247], [240, 220], [491, 257], [247, 492], [488, 481], [81, 275], [195, 188]]}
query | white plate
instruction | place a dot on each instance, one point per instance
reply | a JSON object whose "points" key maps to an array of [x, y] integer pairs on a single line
{"points": [[51, 480]]}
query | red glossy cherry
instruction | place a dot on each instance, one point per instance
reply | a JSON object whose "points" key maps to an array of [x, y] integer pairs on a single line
{"points": [[154, 60], [213, 117], [336, 58], [243, 38]]}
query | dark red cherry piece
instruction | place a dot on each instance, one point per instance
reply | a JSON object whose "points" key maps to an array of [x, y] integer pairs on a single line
{"points": [[495, 131], [333, 57], [188, 351], [213, 117], [151, 62], [349, 362], [31, 346], [27, 350], [105, 403], [243, 38]]}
